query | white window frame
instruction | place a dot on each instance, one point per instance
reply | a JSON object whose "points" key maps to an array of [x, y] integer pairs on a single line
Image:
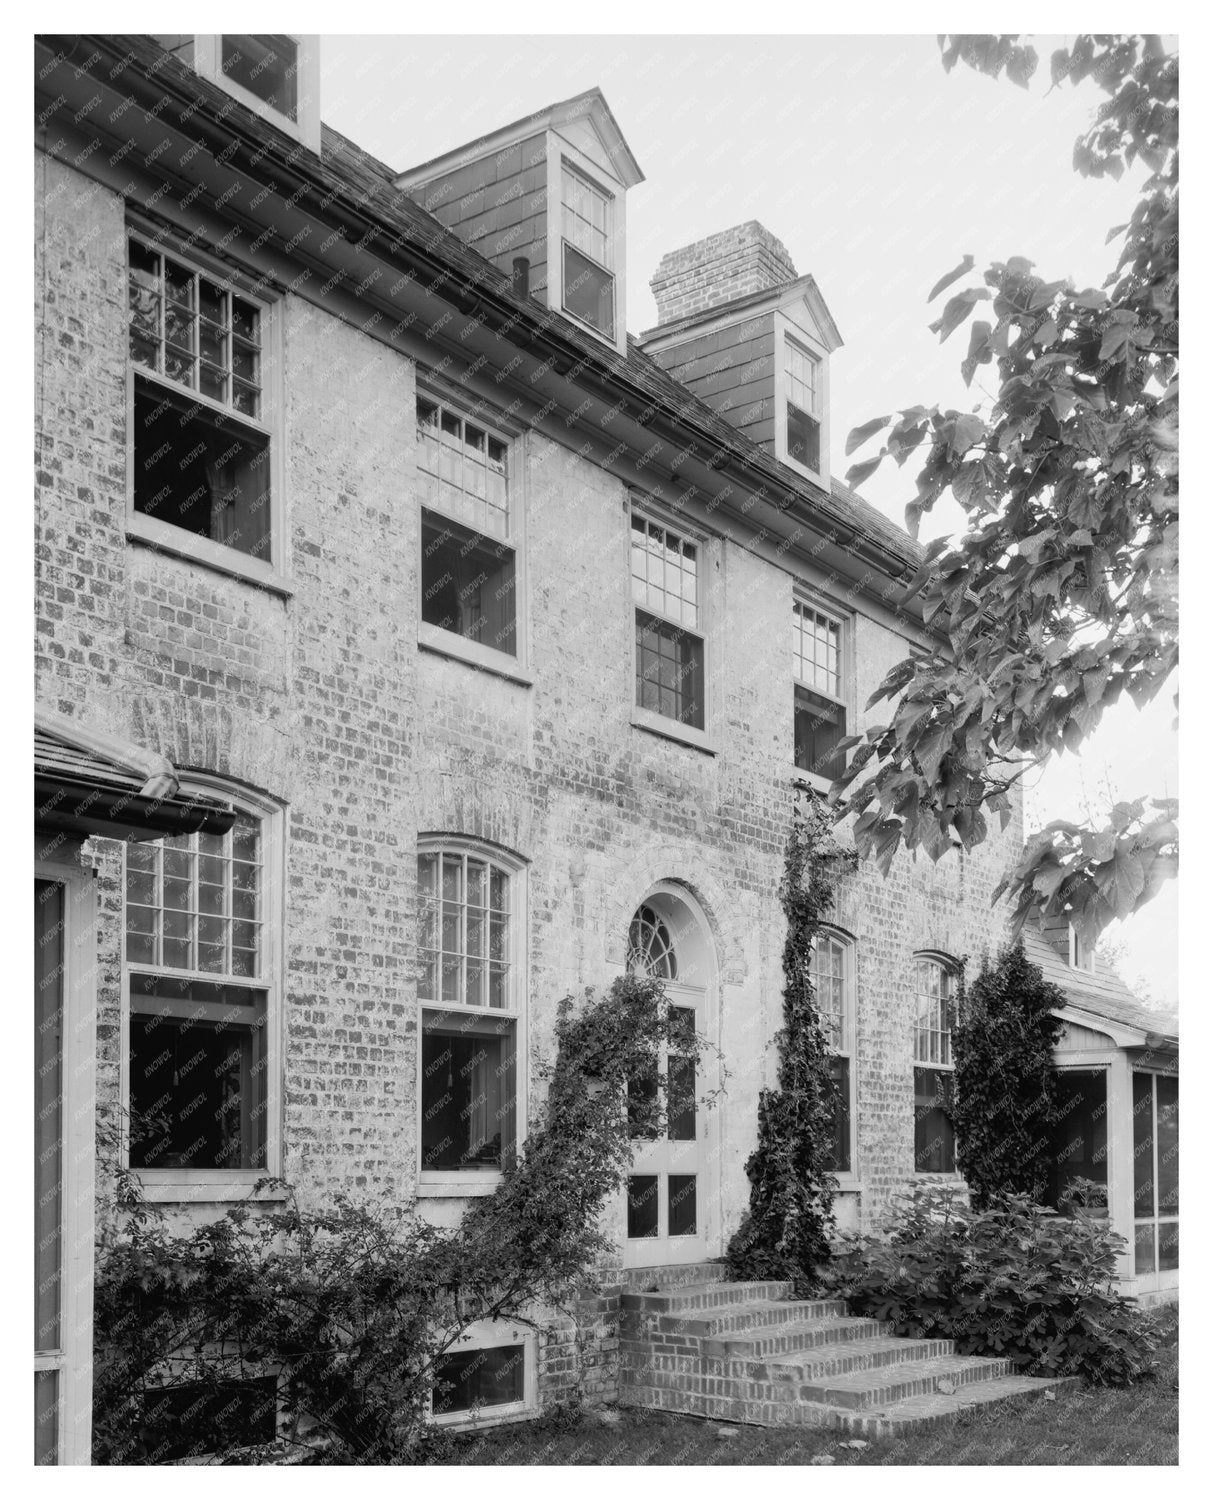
{"points": [[950, 969], [434, 638], [803, 598], [495, 1333], [208, 62], [214, 1184], [1080, 955], [847, 1041], [647, 718], [163, 535], [477, 1184], [787, 332], [562, 154]]}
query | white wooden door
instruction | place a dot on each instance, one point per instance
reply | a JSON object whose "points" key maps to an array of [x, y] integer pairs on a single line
{"points": [[669, 1204]]}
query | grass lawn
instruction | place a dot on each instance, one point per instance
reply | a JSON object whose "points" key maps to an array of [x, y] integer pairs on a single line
{"points": [[1139, 1425]]}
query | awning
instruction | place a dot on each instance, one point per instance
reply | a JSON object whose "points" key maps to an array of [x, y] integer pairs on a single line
{"points": [[86, 781]]}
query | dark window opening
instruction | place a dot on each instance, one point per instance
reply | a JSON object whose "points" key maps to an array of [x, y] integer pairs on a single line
{"points": [[467, 1097], [804, 438], [467, 584], [473, 1378], [681, 1202], [201, 470], [197, 1074], [642, 1208], [186, 1421], [819, 724], [840, 1147], [1079, 1138], [589, 291], [669, 670], [267, 66], [934, 1138]]}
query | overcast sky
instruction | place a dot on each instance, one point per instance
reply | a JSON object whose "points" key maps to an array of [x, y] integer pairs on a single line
{"points": [[878, 171]]}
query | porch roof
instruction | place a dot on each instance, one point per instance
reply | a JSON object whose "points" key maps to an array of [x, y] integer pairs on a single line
{"points": [[1102, 995]]}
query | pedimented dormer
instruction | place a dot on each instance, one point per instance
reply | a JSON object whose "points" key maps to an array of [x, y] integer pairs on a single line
{"points": [[544, 200], [276, 76], [752, 339]]}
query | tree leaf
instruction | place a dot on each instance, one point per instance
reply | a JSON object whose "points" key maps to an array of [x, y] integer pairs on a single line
{"points": [[954, 275], [857, 473], [859, 435]]}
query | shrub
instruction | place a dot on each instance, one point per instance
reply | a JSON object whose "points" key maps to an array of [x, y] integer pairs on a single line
{"points": [[1005, 1084], [1014, 1280], [350, 1309]]}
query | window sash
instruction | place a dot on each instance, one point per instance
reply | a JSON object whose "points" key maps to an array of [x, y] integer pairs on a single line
{"points": [[586, 217], [665, 572], [463, 468], [932, 1019], [817, 650], [464, 945], [195, 331], [803, 371], [934, 1137], [670, 671]]}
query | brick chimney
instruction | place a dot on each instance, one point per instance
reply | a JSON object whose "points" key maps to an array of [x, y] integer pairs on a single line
{"points": [[734, 263]]}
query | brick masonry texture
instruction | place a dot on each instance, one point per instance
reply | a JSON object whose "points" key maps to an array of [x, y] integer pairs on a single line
{"points": [[733, 263], [323, 702]]}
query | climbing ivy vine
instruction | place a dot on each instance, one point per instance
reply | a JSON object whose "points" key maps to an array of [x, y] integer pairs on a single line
{"points": [[785, 1234]]}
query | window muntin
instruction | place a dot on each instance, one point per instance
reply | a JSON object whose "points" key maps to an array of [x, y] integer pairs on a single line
{"points": [[198, 1000], [587, 279], [833, 982], [469, 559], [268, 66], [934, 1079], [200, 444], [816, 649], [802, 371], [650, 946], [469, 1022], [669, 648]]}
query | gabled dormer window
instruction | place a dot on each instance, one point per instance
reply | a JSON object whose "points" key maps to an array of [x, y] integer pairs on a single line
{"points": [[276, 76], [802, 370], [1082, 955], [587, 252]]}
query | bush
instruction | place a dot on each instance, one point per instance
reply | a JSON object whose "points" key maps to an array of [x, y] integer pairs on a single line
{"points": [[341, 1316], [1006, 1088], [1016, 1280]]}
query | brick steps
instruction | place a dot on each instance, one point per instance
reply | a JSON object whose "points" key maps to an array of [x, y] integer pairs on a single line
{"points": [[747, 1352]]}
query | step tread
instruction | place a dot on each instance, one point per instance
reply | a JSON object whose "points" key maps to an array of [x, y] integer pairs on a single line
{"points": [[789, 1310], [858, 1327], [939, 1367], [744, 1293], [937, 1404], [818, 1359]]}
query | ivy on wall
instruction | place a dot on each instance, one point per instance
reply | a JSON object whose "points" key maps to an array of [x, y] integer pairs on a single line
{"points": [[785, 1235]]}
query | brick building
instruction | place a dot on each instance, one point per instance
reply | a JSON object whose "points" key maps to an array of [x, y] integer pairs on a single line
{"points": [[359, 509]]}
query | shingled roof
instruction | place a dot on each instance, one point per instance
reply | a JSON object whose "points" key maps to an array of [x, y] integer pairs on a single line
{"points": [[377, 181], [1099, 993]]}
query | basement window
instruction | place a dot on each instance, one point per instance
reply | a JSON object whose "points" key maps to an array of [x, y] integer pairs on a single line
{"points": [[468, 545], [200, 439], [488, 1374]]}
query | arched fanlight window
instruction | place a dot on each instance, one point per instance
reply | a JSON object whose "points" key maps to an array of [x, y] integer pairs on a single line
{"points": [[651, 946]]}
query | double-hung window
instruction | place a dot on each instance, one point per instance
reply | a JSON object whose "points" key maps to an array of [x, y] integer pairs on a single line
{"points": [[469, 529], [819, 690], [200, 977], [667, 594], [587, 264], [199, 414], [833, 972], [470, 920], [803, 385], [934, 1076]]}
